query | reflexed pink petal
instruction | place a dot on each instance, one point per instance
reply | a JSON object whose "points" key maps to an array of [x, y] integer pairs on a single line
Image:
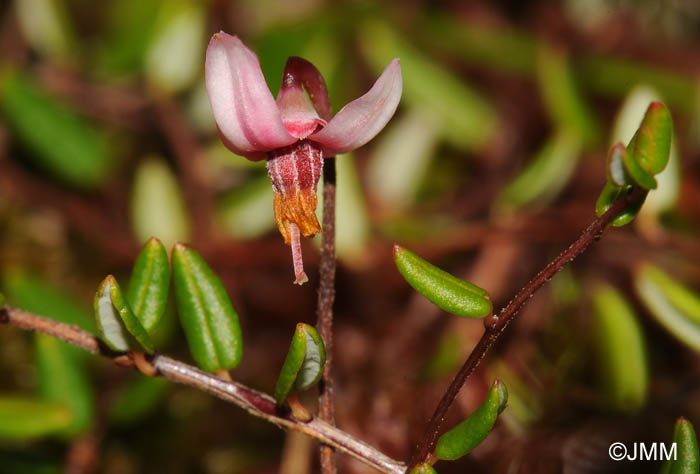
{"points": [[244, 109], [362, 119], [298, 114]]}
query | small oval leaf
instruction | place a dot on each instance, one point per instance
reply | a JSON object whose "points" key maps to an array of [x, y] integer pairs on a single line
{"points": [[25, 419], [446, 291], [148, 288], [621, 347], [676, 307], [206, 313], [652, 142], [304, 364], [607, 198], [637, 173], [424, 468], [118, 326], [687, 459], [467, 435]]}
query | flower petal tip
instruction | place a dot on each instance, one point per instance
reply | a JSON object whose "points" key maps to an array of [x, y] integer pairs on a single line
{"points": [[244, 109], [362, 119]]}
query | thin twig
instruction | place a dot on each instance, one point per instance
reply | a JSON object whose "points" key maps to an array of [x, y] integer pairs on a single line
{"points": [[497, 324], [256, 403], [326, 296]]}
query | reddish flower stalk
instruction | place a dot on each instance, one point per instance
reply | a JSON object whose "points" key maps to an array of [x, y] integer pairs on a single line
{"points": [[295, 132]]}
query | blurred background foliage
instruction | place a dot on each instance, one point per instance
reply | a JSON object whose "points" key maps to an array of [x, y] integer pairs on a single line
{"points": [[490, 167]]}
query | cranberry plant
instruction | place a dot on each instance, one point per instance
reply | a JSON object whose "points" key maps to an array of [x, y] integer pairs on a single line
{"points": [[175, 282]]}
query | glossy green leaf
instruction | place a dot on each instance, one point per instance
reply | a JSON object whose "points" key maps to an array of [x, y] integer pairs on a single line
{"points": [[464, 437], [545, 175], [627, 121], [652, 142], [467, 118], [59, 141], [424, 469], [607, 198], [687, 459], [148, 288], [119, 327], [175, 55], [622, 354], [673, 305], [63, 379], [22, 418], [561, 95], [137, 398], [304, 364], [636, 172], [206, 313], [446, 291], [157, 204]]}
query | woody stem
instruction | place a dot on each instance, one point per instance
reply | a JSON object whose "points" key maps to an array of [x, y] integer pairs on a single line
{"points": [[326, 296]]}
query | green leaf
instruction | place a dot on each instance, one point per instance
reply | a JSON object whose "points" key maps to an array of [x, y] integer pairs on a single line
{"points": [[137, 398], [59, 141], [635, 171], [652, 142], [148, 288], [464, 437], [206, 313], [545, 175], [673, 305], [627, 121], [621, 347], [423, 469], [304, 364], [157, 204], [607, 198], [446, 291], [561, 95], [63, 379], [117, 324], [687, 460], [24, 419]]}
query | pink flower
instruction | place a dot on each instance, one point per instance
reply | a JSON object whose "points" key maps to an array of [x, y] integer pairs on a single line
{"points": [[295, 132]]}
